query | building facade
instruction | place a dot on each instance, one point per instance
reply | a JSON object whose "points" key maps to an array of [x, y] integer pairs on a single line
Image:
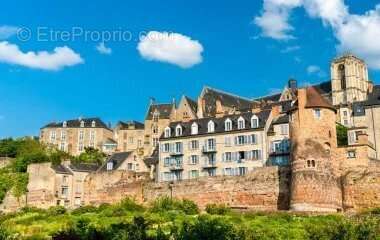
{"points": [[129, 136], [72, 136]]}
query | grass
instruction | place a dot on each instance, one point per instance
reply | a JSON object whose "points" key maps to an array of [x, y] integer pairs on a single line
{"points": [[173, 219]]}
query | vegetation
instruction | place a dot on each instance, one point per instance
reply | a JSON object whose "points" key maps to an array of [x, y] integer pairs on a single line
{"points": [[171, 219], [91, 155], [342, 135]]}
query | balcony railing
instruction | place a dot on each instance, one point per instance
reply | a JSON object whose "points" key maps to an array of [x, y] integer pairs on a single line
{"points": [[209, 149], [176, 153], [176, 167], [209, 164]]}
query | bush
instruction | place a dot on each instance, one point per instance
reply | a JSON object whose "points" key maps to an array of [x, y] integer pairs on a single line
{"points": [[217, 209], [167, 204], [56, 210]]}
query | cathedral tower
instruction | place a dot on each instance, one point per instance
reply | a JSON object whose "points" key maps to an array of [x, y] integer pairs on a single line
{"points": [[315, 171], [349, 80]]}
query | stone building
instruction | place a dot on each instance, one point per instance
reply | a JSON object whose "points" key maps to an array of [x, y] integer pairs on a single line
{"points": [[232, 145], [129, 136], [127, 161], [72, 136]]}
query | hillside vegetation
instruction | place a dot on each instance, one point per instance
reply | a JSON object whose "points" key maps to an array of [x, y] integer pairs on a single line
{"points": [[172, 219]]}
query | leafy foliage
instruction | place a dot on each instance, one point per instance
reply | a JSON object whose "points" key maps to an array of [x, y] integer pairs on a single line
{"points": [[91, 155], [217, 209], [342, 135], [168, 204]]}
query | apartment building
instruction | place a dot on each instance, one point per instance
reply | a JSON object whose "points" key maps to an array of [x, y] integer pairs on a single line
{"points": [[72, 136], [129, 136], [231, 145]]}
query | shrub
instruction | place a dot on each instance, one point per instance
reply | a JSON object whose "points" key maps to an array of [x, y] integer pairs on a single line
{"points": [[56, 210], [84, 209], [216, 209], [167, 204], [130, 205]]}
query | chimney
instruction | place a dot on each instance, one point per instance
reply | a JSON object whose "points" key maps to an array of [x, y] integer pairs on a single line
{"points": [[256, 107]]}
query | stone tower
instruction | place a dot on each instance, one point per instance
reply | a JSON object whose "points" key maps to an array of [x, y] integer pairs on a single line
{"points": [[349, 80], [315, 184]]}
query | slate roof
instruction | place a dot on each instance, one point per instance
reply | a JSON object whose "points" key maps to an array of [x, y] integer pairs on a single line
{"points": [[75, 123], [281, 119], [323, 88], [192, 104], [129, 124], [61, 169], [163, 109], [152, 159], [374, 97], [83, 167], [117, 159], [273, 98], [219, 124], [211, 95]]}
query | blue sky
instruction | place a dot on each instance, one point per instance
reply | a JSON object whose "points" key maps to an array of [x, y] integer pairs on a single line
{"points": [[231, 45]]}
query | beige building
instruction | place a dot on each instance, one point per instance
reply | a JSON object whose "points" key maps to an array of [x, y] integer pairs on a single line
{"points": [[127, 161], [129, 136], [72, 136], [232, 145]]}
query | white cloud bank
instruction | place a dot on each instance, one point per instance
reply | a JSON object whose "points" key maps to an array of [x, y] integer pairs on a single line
{"points": [[102, 49], [173, 48], [53, 61], [7, 31], [358, 34]]}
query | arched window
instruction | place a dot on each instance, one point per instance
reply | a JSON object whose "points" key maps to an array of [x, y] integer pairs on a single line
{"points": [[178, 130], [211, 127], [194, 129], [312, 163], [308, 163], [228, 125], [167, 132], [254, 121], [241, 123], [93, 124], [342, 76]]}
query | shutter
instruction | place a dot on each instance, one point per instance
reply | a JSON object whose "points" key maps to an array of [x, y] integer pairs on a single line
{"points": [[236, 140], [223, 157], [259, 154]]}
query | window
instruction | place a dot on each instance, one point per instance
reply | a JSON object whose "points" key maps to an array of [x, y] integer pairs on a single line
{"points": [[81, 135], [62, 146], [256, 155], [228, 171], [241, 140], [228, 125], [254, 121], [178, 131], [211, 127], [77, 201], [211, 172], [317, 113], [194, 145], [65, 179], [284, 129], [154, 129], [241, 123], [130, 166], [52, 135], [139, 143], [80, 147], [227, 157], [81, 123], [211, 144], [130, 140], [242, 171], [178, 147], [63, 136], [64, 124], [194, 129], [166, 162], [227, 141], [194, 159], [254, 139], [193, 174], [64, 191], [351, 154], [155, 142], [345, 113], [92, 136], [93, 124], [109, 166], [345, 122], [167, 132], [166, 147], [241, 155]]}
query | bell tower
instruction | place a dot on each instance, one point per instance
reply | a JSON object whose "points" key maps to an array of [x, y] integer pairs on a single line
{"points": [[349, 80]]}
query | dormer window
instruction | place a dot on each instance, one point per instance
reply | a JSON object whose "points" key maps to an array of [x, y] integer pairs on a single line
{"points": [[167, 132], [82, 123], [254, 121], [93, 124], [211, 127], [194, 129], [241, 123], [178, 130], [110, 166], [228, 125], [64, 124]]}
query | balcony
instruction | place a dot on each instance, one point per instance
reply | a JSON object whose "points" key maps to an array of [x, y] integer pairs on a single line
{"points": [[176, 153], [176, 167], [209, 149], [209, 164]]}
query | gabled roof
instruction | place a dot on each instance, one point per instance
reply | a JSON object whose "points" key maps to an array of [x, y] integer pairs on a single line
{"points": [[211, 95], [152, 159], [117, 159], [219, 124], [130, 124], [83, 167], [75, 123], [164, 110], [192, 104], [60, 169]]}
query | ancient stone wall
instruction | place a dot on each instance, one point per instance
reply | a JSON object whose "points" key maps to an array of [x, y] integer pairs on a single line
{"points": [[264, 189]]}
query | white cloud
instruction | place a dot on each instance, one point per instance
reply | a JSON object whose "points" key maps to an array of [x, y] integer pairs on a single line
{"points": [[61, 57], [358, 34], [7, 31], [102, 49], [172, 48], [314, 69], [290, 49]]}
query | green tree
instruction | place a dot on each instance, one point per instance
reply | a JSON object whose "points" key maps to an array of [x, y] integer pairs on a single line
{"points": [[91, 155], [341, 133]]}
